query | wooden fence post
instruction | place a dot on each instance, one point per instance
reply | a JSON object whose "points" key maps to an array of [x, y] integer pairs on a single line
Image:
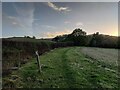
{"points": [[19, 61], [38, 61]]}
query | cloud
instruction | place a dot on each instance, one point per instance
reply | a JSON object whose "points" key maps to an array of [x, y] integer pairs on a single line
{"points": [[37, 26], [79, 24], [53, 6], [49, 27], [15, 21], [25, 15], [11, 21], [22, 20], [67, 22], [53, 34]]}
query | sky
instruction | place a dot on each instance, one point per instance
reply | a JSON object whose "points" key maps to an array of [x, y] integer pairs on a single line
{"points": [[49, 19]]}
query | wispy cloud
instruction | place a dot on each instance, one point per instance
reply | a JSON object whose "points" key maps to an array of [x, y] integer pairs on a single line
{"points": [[25, 15], [79, 24], [67, 22], [55, 7], [23, 18], [14, 21], [49, 26], [53, 34]]}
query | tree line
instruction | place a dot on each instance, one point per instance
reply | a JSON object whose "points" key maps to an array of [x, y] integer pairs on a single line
{"points": [[80, 38]]}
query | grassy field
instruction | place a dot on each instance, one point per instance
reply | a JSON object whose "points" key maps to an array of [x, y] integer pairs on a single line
{"points": [[108, 56], [72, 67]]}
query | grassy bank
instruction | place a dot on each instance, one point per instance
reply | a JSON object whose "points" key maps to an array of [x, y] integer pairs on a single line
{"points": [[65, 68]]}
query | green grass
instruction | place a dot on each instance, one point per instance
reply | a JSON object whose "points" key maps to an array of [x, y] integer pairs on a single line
{"points": [[65, 68]]}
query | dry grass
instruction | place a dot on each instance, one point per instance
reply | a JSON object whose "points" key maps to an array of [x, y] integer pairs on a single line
{"points": [[109, 56]]}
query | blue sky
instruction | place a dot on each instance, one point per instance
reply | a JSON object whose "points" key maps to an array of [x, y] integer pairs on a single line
{"points": [[48, 19]]}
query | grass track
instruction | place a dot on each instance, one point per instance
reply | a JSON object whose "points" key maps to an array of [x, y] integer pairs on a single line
{"points": [[66, 68]]}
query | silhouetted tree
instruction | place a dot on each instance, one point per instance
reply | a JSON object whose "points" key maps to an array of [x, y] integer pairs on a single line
{"points": [[78, 37], [79, 32], [34, 37]]}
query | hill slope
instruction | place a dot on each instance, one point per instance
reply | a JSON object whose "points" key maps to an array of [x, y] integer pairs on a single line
{"points": [[65, 68]]}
